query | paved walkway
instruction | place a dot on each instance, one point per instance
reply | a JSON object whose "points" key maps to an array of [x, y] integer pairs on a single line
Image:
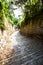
{"points": [[26, 51]]}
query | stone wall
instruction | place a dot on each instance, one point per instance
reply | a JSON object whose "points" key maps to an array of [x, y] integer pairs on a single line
{"points": [[35, 26]]}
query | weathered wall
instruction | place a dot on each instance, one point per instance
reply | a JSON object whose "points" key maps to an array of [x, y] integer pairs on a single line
{"points": [[35, 26]]}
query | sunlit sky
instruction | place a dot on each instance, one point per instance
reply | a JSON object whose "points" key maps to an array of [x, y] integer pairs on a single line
{"points": [[17, 12]]}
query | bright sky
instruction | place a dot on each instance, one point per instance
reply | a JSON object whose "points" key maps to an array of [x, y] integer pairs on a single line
{"points": [[17, 12]]}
